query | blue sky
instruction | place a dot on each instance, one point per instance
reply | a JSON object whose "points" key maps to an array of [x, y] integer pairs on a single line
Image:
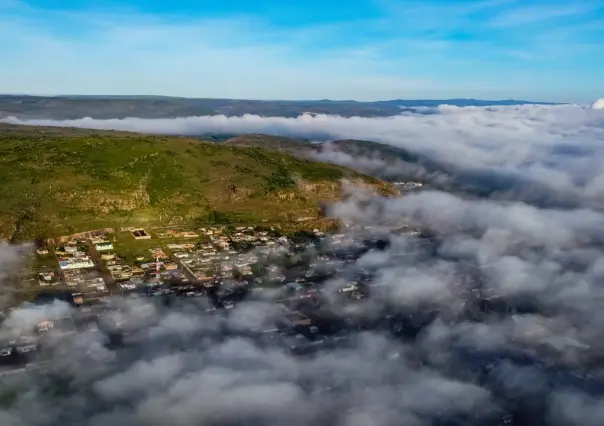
{"points": [[305, 49]]}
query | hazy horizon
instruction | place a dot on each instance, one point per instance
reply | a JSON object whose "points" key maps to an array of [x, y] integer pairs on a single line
{"points": [[156, 95], [364, 49]]}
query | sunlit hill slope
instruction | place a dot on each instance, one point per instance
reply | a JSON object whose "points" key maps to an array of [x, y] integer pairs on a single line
{"points": [[57, 181]]}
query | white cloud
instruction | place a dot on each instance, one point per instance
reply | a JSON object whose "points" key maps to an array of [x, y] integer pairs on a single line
{"points": [[538, 13], [598, 104]]}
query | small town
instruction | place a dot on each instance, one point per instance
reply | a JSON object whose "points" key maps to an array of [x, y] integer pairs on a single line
{"points": [[219, 263], [317, 291], [96, 265], [300, 273], [322, 295]]}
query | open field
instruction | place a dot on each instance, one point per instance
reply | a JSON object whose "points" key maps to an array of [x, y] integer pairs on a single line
{"points": [[128, 248]]}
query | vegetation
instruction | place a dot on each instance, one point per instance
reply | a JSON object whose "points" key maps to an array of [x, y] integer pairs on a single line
{"points": [[278, 143], [377, 150], [61, 181]]}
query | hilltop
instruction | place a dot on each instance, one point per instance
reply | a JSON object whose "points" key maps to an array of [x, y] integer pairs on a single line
{"points": [[384, 161], [353, 147], [57, 181], [392, 163], [303, 147]]}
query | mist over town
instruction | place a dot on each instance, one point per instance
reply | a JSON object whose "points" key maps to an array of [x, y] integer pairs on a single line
{"points": [[431, 307], [360, 213]]}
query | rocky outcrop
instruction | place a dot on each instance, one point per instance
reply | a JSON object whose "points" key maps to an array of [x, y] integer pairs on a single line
{"points": [[99, 201]]}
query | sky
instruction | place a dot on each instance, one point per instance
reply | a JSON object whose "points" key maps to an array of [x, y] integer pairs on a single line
{"points": [[307, 49]]}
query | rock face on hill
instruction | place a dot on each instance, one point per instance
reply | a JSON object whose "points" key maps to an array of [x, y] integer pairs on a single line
{"points": [[59, 181]]}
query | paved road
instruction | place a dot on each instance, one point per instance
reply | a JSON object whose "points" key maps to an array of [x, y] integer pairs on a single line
{"points": [[99, 265]]}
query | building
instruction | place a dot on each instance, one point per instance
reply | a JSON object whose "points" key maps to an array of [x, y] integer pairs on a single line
{"points": [[47, 278], [103, 246], [108, 256], [140, 234], [170, 266], [45, 326], [79, 262]]}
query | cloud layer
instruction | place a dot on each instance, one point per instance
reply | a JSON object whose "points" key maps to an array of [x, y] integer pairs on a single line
{"points": [[538, 359], [598, 104], [180, 365]]}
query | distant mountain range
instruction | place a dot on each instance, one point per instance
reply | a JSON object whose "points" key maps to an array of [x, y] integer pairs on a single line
{"points": [[107, 107]]}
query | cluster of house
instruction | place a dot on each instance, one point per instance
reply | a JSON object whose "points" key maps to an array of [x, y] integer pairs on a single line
{"points": [[78, 271], [256, 238], [47, 278], [19, 344], [173, 233], [22, 343], [212, 256], [207, 263], [73, 255], [85, 284], [161, 269], [150, 270], [121, 271], [220, 258]]}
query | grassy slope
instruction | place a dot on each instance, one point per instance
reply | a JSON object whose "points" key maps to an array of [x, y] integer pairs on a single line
{"points": [[278, 143], [59, 181], [372, 149], [358, 148], [301, 147]]}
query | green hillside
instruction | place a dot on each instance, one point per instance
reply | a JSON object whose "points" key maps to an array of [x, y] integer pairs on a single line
{"points": [[293, 146], [301, 147], [60, 181]]}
